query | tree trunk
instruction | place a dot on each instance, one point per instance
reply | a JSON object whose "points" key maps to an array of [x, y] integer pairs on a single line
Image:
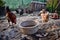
{"points": [[2, 11]]}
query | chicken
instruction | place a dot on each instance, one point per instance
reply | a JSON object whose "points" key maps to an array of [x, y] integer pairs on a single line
{"points": [[10, 16]]}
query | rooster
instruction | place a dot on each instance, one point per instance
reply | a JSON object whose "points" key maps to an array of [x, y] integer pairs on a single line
{"points": [[10, 16]]}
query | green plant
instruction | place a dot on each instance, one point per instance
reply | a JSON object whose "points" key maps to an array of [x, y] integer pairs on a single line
{"points": [[2, 3], [52, 5]]}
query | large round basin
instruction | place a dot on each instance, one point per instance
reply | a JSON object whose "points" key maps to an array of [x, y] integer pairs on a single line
{"points": [[29, 27]]}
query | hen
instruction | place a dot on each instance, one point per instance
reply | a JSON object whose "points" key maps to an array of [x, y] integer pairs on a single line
{"points": [[10, 16]]}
